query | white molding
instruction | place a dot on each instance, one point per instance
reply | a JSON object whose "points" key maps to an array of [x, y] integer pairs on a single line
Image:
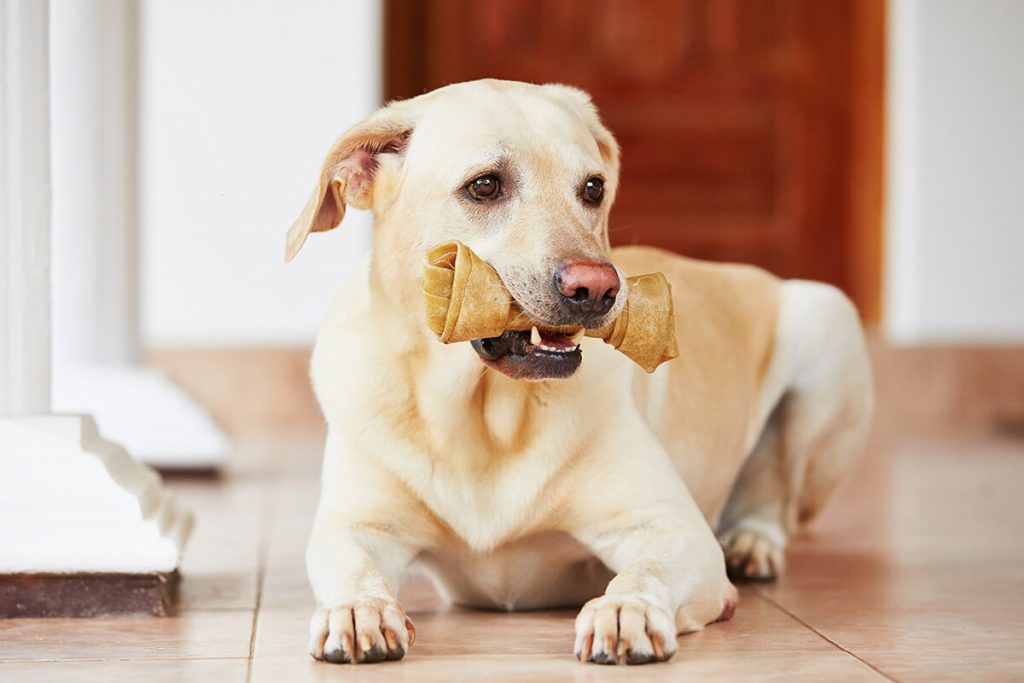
{"points": [[70, 501]]}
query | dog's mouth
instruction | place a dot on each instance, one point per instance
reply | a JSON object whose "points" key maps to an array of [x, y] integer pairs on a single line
{"points": [[532, 354]]}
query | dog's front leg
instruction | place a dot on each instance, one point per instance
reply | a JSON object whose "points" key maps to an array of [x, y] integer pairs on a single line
{"points": [[359, 619], [670, 573], [361, 543]]}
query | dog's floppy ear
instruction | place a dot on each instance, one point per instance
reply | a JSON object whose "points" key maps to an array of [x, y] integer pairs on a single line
{"points": [[347, 174]]}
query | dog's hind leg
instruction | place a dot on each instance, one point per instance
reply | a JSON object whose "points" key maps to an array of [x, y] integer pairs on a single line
{"points": [[818, 397], [752, 526]]}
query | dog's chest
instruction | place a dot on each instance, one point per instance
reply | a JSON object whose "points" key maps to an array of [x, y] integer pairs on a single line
{"points": [[543, 570], [482, 499], [482, 464]]}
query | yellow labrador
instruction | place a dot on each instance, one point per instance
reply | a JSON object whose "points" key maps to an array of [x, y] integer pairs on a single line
{"points": [[536, 469]]}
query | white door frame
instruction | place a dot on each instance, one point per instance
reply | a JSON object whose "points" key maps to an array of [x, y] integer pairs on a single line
{"points": [[72, 505], [24, 210]]}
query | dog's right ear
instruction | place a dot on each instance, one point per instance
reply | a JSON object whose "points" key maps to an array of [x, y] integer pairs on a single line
{"points": [[347, 174]]}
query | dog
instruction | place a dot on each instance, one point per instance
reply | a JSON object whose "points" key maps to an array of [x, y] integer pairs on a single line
{"points": [[538, 469]]}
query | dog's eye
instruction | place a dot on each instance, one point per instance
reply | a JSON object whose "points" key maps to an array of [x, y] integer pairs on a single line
{"points": [[593, 191], [485, 188]]}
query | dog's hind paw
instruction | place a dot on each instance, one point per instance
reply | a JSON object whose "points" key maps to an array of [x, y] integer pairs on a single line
{"points": [[624, 630], [752, 555], [364, 630]]}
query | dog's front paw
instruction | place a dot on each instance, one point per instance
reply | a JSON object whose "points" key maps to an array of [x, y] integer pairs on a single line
{"points": [[624, 629], [362, 631]]}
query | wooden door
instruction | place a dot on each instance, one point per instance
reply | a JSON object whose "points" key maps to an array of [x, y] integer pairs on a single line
{"points": [[750, 129]]}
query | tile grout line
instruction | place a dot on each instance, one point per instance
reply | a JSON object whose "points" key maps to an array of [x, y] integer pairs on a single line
{"points": [[824, 637], [261, 573]]}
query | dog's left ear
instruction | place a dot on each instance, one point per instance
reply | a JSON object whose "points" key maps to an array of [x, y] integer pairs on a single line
{"points": [[348, 173]]}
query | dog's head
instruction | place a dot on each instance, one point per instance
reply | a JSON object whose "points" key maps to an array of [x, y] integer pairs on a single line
{"points": [[524, 175]]}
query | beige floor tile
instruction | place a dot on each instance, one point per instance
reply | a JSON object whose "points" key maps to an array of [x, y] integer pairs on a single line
{"points": [[153, 671], [216, 634], [494, 668], [220, 568], [761, 643], [287, 590], [911, 567], [914, 568]]}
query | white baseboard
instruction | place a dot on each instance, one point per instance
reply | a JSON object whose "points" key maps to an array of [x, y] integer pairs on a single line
{"points": [[155, 420]]}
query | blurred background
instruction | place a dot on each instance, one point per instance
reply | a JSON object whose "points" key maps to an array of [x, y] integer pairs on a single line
{"points": [[872, 144]]}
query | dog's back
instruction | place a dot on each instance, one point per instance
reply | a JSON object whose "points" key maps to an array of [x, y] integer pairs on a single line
{"points": [[705, 403]]}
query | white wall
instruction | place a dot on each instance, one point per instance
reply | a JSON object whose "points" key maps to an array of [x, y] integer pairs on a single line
{"points": [[955, 229], [239, 102], [240, 99]]}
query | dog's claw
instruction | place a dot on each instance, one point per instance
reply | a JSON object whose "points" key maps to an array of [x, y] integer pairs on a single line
{"points": [[366, 630], [411, 628], [585, 648], [624, 630]]}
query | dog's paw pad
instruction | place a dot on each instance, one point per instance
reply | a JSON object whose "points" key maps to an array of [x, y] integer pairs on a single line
{"points": [[362, 631], [751, 555], [624, 630]]}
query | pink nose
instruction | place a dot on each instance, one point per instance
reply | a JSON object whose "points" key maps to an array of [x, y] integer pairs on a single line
{"points": [[587, 288]]}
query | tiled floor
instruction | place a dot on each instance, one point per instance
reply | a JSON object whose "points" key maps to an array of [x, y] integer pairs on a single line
{"points": [[915, 573]]}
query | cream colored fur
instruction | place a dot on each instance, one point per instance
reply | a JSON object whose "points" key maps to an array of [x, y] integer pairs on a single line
{"points": [[604, 488]]}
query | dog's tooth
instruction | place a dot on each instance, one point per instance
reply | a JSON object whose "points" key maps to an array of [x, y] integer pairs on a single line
{"points": [[577, 336], [534, 336]]}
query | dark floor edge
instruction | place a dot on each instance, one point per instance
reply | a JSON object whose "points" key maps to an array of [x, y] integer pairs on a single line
{"points": [[87, 594]]}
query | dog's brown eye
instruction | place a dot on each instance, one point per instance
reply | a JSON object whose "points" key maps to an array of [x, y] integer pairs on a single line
{"points": [[593, 190], [485, 188]]}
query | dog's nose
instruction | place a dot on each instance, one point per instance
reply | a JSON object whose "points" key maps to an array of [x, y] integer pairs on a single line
{"points": [[586, 287]]}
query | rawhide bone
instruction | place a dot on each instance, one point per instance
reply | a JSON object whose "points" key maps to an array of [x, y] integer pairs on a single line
{"points": [[466, 300]]}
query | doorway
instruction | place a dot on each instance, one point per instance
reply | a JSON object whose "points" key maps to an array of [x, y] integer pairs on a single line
{"points": [[751, 130]]}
